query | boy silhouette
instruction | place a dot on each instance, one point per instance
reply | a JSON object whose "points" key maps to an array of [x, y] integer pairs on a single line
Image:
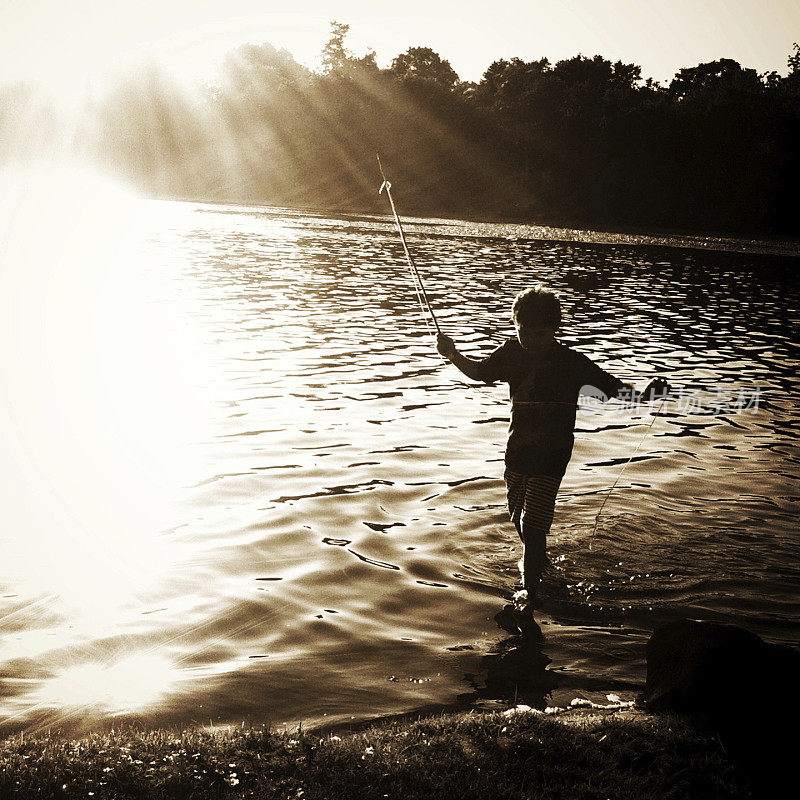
{"points": [[545, 379]]}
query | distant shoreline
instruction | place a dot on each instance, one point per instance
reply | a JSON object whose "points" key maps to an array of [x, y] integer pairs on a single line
{"points": [[498, 226]]}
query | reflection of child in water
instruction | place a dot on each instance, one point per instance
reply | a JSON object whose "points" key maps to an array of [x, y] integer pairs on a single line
{"points": [[545, 378]]}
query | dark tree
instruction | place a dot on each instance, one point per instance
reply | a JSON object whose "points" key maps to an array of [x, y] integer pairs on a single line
{"points": [[716, 79], [335, 56], [424, 64]]}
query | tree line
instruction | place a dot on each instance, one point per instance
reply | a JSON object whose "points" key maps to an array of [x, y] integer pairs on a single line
{"points": [[579, 142]]}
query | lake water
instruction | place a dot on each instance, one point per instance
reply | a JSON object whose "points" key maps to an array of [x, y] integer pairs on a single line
{"points": [[241, 486]]}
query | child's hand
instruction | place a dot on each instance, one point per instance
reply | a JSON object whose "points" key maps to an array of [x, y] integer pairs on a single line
{"points": [[658, 388], [446, 346]]}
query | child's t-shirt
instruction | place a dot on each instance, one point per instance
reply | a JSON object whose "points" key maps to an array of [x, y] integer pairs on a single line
{"points": [[544, 393]]}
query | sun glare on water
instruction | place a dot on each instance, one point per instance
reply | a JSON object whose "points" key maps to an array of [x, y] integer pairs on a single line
{"points": [[97, 407], [128, 685]]}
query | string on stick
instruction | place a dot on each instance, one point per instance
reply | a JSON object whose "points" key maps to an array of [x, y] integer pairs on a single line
{"points": [[418, 284], [624, 466]]}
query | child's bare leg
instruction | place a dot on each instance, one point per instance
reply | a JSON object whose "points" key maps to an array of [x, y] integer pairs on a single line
{"points": [[533, 561], [536, 519], [515, 495]]}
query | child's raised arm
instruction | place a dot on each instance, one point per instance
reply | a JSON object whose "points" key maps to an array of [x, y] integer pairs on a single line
{"points": [[472, 368]]}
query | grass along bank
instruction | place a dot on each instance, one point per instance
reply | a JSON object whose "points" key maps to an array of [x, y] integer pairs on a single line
{"points": [[574, 754]]}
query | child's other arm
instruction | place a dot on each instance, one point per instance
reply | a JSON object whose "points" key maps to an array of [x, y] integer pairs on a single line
{"points": [[470, 367], [611, 386], [658, 388]]}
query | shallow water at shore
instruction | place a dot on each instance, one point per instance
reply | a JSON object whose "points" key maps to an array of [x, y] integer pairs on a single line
{"points": [[245, 487]]}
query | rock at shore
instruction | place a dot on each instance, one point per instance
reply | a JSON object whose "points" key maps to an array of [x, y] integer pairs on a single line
{"points": [[743, 687]]}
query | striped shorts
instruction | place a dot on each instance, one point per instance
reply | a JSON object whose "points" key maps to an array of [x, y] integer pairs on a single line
{"points": [[531, 504]]}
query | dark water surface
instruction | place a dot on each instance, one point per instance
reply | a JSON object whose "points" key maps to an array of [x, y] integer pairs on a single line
{"points": [[289, 508]]}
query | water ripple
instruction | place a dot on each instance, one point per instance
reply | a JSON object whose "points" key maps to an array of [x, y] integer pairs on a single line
{"points": [[369, 582]]}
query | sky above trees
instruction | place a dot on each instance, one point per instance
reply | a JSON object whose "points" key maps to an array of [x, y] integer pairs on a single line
{"points": [[62, 44]]}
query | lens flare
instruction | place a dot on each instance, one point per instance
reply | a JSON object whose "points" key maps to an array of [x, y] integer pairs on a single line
{"points": [[132, 684]]}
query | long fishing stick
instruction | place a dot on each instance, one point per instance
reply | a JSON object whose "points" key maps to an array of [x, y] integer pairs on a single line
{"points": [[414, 271]]}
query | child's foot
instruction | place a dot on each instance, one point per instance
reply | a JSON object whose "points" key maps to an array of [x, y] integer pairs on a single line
{"points": [[518, 622], [505, 619], [523, 617]]}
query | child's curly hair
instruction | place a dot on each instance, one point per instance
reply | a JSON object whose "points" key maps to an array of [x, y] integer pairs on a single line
{"points": [[537, 306]]}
